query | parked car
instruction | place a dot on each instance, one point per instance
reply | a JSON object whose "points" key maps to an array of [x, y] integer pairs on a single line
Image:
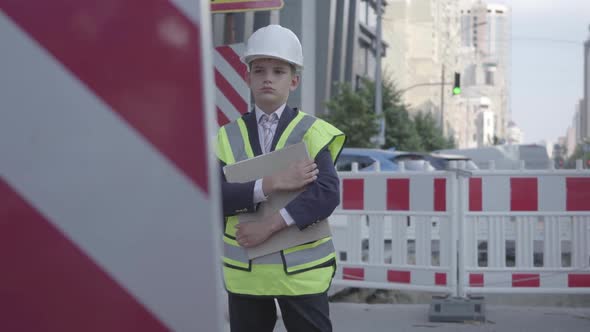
{"points": [[389, 160], [507, 156], [441, 161]]}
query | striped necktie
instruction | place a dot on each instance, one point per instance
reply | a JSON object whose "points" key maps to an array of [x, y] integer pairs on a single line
{"points": [[267, 123]]}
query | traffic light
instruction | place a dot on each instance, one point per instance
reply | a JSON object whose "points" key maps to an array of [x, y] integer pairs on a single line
{"points": [[457, 84]]}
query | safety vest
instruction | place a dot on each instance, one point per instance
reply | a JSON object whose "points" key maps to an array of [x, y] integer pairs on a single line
{"points": [[300, 270]]}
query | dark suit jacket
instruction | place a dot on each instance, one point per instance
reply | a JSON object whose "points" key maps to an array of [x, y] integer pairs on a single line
{"points": [[317, 202]]}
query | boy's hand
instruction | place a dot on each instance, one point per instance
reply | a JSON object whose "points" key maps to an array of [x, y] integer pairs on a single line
{"points": [[295, 177], [251, 234]]}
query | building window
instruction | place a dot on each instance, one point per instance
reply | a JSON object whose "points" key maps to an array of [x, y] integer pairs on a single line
{"points": [[371, 18], [363, 9], [489, 77]]}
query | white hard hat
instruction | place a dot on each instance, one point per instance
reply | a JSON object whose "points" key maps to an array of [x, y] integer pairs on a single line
{"points": [[274, 41]]}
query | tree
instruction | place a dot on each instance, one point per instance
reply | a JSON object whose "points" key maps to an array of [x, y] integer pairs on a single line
{"points": [[351, 112], [400, 132], [431, 134], [578, 154]]}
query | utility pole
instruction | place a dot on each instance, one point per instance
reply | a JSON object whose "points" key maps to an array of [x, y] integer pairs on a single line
{"points": [[378, 90]]}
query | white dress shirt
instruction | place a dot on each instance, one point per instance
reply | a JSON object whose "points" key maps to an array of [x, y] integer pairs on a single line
{"points": [[258, 192]]}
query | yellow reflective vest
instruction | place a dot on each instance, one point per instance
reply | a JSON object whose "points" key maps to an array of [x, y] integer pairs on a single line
{"points": [[301, 270]]}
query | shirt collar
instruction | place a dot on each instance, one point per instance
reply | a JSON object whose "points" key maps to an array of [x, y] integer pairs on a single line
{"points": [[260, 113]]}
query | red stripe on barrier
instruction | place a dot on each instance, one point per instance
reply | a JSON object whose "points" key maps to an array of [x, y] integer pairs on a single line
{"points": [[246, 5], [440, 279], [398, 194], [146, 67], [578, 194], [48, 284], [476, 279], [353, 194], [233, 59], [403, 277], [475, 194], [440, 194], [523, 194], [526, 280], [230, 93], [578, 280], [353, 273], [222, 120]]}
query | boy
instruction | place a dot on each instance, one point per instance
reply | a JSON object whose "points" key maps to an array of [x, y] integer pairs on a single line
{"points": [[297, 277]]}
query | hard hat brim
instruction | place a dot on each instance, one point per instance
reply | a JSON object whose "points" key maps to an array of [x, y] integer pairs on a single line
{"points": [[249, 58]]}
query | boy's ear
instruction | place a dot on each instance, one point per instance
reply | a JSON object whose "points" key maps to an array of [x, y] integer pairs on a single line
{"points": [[295, 79]]}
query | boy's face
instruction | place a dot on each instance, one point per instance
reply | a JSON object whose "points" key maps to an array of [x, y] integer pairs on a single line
{"points": [[271, 81]]}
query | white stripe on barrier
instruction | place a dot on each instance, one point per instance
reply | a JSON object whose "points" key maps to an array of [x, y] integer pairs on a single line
{"points": [[551, 193], [226, 106], [492, 187]]}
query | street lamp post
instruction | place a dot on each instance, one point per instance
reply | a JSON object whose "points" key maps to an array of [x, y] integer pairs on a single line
{"points": [[378, 84]]}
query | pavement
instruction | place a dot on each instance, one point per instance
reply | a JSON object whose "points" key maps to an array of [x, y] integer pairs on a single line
{"points": [[355, 317], [360, 317]]}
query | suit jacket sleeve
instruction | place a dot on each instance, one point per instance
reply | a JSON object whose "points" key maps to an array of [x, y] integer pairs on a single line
{"points": [[236, 197], [320, 198]]}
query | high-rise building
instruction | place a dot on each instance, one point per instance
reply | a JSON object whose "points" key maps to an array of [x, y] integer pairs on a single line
{"points": [[424, 40], [431, 40], [485, 41]]}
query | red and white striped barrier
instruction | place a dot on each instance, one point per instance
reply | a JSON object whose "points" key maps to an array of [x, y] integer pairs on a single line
{"points": [[392, 214], [515, 231], [517, 192], [527, 233], [104, 171], [232, 94], [530, 281], [420, 192]]}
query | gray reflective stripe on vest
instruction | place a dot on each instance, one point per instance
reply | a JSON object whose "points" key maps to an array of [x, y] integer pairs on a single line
{"points": [[300, 129], [309, 255], [274, 258], [239, 254], [236, 141], [236, 253]]}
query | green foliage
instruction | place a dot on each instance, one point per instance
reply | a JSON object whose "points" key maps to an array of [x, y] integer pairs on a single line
{"points": [[578, 154], [431, 134], [353, 113]]}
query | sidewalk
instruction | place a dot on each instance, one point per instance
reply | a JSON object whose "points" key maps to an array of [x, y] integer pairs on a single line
{"points": [[351, 317]]}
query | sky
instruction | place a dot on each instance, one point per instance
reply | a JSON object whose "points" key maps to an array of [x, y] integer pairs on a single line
{"points": [[547, 76]]}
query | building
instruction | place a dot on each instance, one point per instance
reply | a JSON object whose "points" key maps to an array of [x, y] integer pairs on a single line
{"points": [[486, 123], [431, 40], [585, 103], [338, 38], [423, 56], [570, 141], [485, 42], [514, 134]]}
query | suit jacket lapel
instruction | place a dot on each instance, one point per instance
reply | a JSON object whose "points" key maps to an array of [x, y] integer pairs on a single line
{"points": [[252, 126], [288, 115]]}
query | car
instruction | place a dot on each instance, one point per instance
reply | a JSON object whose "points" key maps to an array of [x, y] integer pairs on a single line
{"points": [[441, 161], [389, 160]]}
